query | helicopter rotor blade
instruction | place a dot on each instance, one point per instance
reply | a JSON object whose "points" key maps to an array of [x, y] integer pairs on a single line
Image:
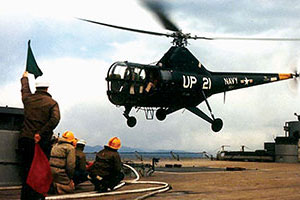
{"points": [[127, 29], [159, 10], [241, 38]]}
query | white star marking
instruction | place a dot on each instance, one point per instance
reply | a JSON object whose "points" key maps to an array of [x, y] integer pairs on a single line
{"points": [[246, 81]]}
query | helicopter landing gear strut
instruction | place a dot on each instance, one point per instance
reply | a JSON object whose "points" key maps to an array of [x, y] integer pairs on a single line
{"points": [[216, 124], [131, 121]]}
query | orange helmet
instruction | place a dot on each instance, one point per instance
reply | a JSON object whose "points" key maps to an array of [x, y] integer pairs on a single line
{"points": [[69, 136], [75, 142], [114, 143]]}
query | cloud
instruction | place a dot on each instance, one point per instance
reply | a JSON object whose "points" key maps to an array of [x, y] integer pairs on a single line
{"points": [[242, 17]]}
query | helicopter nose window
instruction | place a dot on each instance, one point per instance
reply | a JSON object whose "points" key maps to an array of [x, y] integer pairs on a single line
{"points": [[116, 74], [119, 70], [124, 72]]}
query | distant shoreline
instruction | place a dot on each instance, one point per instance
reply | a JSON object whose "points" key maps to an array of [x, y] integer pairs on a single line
{"points": [[150, 155]]}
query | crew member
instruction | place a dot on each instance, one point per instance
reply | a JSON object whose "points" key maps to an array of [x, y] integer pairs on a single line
{"points": [[62, 163], [41, 116], [152, 81], [80, 174], [106, 171]]}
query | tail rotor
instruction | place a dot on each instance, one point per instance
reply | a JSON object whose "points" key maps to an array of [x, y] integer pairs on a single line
{"points": [[294, 85]]}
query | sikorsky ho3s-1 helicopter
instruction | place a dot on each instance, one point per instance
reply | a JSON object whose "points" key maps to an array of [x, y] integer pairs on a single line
{"points": [[178, 80]]}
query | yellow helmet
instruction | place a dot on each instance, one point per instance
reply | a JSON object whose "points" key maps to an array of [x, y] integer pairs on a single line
{"points": [[114, 143], [69, 136]]}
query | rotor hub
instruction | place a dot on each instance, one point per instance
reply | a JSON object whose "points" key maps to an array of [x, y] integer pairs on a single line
{"points": [[180, 39]]}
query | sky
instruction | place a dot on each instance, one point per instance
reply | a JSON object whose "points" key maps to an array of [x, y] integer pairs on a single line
{"points": [[75, 56]]}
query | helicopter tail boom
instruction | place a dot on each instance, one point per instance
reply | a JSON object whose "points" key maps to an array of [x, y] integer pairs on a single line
{"points": [[223, 82]]}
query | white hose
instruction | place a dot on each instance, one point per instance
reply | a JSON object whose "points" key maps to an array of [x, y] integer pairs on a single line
{"points": [[10, 188], [154, 190]]}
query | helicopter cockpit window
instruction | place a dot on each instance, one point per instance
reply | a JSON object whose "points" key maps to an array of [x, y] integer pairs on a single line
{"points": [[137, 78], [142, 74], [117, 71], [125, 78], [116, 75], [122, 70], [134, 74], [127, 73]]}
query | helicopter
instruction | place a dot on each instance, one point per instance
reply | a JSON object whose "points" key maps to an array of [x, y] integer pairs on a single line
{"points": [[178, 80]]}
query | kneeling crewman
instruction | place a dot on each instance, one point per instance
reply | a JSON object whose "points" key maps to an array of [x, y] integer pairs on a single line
{"points": [[62, 163], [106, 171]]}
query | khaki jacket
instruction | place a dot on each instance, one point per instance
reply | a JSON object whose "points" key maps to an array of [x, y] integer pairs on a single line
{"points": [[107, 163], [62, 162], [41, 112]]}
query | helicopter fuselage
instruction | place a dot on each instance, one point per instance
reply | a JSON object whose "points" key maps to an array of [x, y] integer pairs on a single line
{"points": [[175, 88], [178, 81]]}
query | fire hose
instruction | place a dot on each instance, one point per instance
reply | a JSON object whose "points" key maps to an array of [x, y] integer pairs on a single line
{"points": [[152, 190]]}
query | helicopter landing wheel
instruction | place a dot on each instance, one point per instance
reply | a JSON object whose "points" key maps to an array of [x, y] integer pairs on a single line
{"points": [[131, 121], [161, 114], [217, 125]]}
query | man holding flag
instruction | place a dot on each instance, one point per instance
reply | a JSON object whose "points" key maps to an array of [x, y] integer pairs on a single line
{"points": [[41, 116]]}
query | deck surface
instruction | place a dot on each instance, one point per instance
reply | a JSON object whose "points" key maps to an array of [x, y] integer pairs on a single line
{"points": [[242, 180]]}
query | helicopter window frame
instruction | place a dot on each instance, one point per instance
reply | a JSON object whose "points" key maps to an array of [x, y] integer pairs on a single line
{"points": [[126, 72], [122, 74]]}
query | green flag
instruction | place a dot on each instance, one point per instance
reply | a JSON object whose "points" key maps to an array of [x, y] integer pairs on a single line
{"points": [[31, 65]]}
